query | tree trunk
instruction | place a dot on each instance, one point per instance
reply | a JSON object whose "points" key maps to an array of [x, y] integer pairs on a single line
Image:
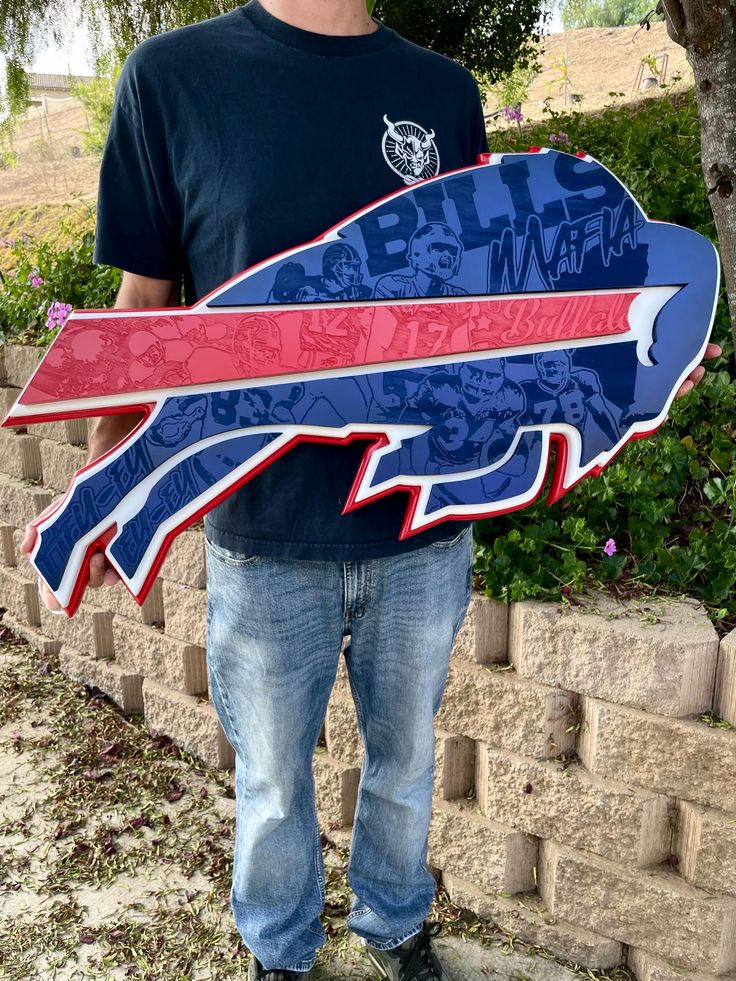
{"points": [[707, 31]]}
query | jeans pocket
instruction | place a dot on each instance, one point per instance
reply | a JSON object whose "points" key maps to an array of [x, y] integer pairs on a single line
{"points": [[449, 542], [230, 557]]}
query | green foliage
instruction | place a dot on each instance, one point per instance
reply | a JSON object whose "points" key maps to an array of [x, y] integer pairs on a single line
{"points": [[513, 87], [603, 13], [487, 36], [669, 500], [97, 96], [67, 276]]}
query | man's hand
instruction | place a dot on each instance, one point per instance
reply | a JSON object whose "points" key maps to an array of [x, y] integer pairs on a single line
{"points": [[108, 432], [696, 375], [136, 292]]}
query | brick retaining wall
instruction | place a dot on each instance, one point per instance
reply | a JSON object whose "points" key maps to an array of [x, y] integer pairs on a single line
{"points": [[580, 802]]}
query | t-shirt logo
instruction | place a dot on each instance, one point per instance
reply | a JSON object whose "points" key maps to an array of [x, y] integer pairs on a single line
{"points": [[410, 151]]}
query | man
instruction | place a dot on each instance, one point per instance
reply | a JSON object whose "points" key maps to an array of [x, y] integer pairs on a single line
{"points": [[563, 393], [434, 253], [232, 140]]}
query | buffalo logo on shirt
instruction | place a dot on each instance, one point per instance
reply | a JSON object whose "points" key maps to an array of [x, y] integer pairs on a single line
{"points": [[410, 151]]}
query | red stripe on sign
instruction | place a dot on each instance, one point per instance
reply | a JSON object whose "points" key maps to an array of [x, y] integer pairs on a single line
{"points": [[123, 353]]}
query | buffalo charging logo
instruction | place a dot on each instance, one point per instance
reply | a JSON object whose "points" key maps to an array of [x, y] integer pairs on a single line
{"points": [[506, 321], [410, 151]]}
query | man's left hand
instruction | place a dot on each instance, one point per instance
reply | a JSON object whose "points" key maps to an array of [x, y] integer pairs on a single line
{"points": [[696, 375]]}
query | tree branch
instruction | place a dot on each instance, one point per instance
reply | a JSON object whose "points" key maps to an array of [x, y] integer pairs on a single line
{"points": [[674, 17]]}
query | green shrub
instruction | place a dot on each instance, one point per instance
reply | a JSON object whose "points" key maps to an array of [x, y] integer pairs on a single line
{"points": [[668, 502], [97, 95], [44, 275]]}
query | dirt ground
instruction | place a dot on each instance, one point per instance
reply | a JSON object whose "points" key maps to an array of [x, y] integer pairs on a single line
{"points": [[52, 167], [602, 61], [116, 855]]}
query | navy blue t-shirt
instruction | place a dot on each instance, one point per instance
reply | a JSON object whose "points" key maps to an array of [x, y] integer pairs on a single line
{"points": [[242, 136]]}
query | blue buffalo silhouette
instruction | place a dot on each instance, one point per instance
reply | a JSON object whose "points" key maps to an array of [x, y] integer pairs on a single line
{"points": [[469, 435]]}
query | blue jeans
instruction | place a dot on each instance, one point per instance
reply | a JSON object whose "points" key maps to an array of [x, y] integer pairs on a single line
{"points": [[275, 629]]}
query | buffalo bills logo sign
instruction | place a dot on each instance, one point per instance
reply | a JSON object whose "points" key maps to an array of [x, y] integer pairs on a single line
{"points": [[481, 328]]}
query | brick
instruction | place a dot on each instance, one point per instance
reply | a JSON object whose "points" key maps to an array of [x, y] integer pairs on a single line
{"points": [[336, 788], [185, 612], [119, 601], [19, 502], [8, 398], [725, 696], [341, 687], [655, 910], [123, 687], [190, 722], [38, 641], [483, 636], [504, 710], [607, 650], [185, 561], [89, 631], [645, 967], [705, 846], [341, 731], [20, 596], [59, 463], [72, 431], [22, 561], [564, 801], [489, 855], [454, 766], [7, 546], [157, 657], [682, 758], [526, 918], [20, 363], [20, 455]]}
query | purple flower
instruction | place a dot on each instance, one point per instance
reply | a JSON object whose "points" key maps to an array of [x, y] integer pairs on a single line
{"points": [[610, 547], [57, 314], [35, 280], [513, 114], [563, 138]]}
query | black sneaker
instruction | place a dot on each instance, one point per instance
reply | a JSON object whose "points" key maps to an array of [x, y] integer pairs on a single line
{"points": [[257, 972], [414, 960]]}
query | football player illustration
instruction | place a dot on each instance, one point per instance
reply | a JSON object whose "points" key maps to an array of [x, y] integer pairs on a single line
{"points": [[70, 352], [434, 254], [151, 363], [562, 393], [292, 285], [342, 274], [389, 391], [333, 338], [257, 345], [180, 351], [420, 331], [183, 419], [480, 410], [341, 279]]}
